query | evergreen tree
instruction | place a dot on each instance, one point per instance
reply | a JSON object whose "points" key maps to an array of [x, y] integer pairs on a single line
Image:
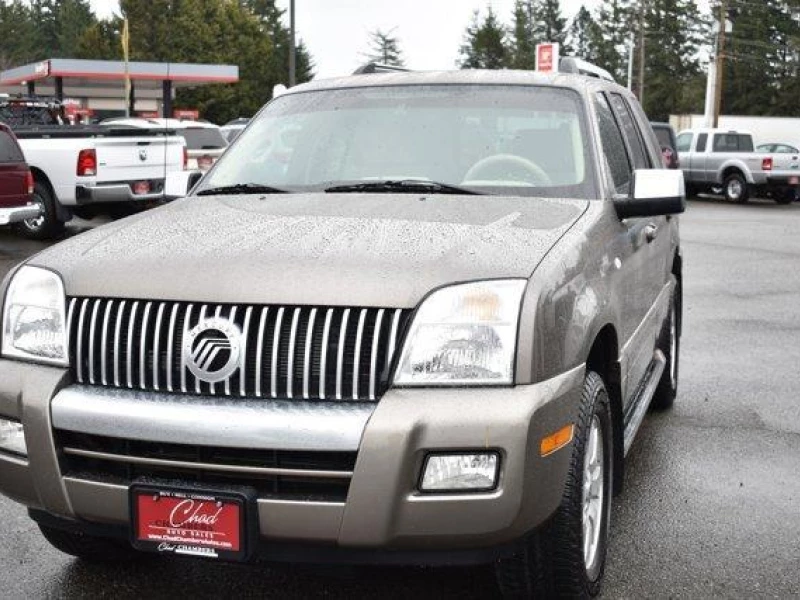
{"points": [[674, 84], [484, 44], [548, 24], [19, 39], [522, 47], [582, 36], [72, 18], [615, 24], [384, 49]]}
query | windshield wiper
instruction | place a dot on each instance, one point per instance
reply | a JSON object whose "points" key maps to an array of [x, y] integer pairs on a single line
{"points": [[241, 188], [401, 186]]}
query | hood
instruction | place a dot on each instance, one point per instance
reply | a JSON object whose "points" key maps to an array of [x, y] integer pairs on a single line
{"points": [[313, 249]]}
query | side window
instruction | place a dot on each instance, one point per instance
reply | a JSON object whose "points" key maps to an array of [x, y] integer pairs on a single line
{"points": [[685, 142], [638, 153], [701, 142], [732, 142], [613, 145], [9, 151]]}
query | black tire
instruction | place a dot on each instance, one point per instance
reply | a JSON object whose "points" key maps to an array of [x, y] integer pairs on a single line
{"points": [[551, 562], [670, 344], [735, 188], [86, 547], [785, 196], [46, 227]]}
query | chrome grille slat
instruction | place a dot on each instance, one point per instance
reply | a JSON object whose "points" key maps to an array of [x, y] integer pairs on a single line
{"points": [[373, 360], [288, 352], [183, 357], [92, 331], [324, 356], [307, 353], [81, 320], [104, 344], [290, 364], [340, 354], [260, 349], [117, 332], [157, 343], [143, 345], [357, 351], [275, 345], [170, 340]]}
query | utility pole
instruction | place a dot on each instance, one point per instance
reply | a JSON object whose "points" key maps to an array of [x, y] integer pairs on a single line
{"points": [[720, 60], [642, 52], [292, 50]]}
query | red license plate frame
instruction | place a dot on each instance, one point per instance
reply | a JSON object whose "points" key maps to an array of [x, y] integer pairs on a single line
{"points": [[185, 521], [140, 188]]}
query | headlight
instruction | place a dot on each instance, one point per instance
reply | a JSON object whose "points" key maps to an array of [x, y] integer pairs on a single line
{"points": [[33, 317], [464, 335]]}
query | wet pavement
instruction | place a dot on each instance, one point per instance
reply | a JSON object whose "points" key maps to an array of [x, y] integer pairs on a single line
{"points": [[712, 501]]}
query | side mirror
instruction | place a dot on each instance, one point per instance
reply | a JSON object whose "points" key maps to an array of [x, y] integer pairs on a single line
{"points": [[654, 192], [179, 183]]}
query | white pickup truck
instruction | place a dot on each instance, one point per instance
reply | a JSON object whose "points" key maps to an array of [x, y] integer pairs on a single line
{"points": [[715, 160], [83, 170]]}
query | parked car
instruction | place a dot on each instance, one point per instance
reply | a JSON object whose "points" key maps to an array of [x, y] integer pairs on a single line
{"points": [[669, 144], [84, 168], [711, 158], [429, 338], [204, 141], [16, 182], [232, 129], [777, 149]]}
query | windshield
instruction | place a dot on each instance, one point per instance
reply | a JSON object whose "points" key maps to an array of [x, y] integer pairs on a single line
{"points": [[523, 140]]}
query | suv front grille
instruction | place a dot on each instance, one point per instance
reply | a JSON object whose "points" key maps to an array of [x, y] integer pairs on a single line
{"points": [[322, 476], [301, 352]]}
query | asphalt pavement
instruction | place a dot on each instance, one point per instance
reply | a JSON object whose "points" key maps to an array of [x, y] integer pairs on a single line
{"points": [[712, 502]]}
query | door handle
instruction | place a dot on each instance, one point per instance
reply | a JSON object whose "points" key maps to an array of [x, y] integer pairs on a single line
{"points": [[650, 232]]}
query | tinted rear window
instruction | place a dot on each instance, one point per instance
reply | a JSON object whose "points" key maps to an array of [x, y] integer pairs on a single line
{"points": [[9, 151], [664, 137], [203, 138], [732, 142]]}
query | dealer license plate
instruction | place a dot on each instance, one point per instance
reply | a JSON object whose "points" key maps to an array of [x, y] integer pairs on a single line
{"points": [[189, 522]]}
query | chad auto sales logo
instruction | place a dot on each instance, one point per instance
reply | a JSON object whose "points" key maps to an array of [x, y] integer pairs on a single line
{"points": [[212, 349]]}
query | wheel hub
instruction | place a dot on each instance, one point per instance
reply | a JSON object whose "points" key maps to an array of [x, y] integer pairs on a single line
{"points": [[593, 495]]}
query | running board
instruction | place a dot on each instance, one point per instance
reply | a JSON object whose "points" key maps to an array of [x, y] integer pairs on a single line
{"points": [[644, 394]]}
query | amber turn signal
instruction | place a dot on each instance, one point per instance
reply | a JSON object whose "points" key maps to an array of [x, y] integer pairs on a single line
{"points": [[556, 441]]}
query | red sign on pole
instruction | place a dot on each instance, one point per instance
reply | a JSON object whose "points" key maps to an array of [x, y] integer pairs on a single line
{"points": [[183, 113], [547, 56]]}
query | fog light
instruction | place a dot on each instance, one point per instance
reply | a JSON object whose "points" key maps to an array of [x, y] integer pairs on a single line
{"points": [[460, 472], [12, 437]]}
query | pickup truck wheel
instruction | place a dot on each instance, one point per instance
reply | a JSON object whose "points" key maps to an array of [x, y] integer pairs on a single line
{"points": [[669, 344], [785, 196], [566, 557], [735, 188], [46, 226], [86, 547]]}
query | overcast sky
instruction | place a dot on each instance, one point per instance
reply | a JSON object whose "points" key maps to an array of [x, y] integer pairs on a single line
{"points": [[336, 32]]}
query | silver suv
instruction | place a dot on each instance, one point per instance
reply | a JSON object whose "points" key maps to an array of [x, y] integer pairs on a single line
{"points": [[406, 318]]}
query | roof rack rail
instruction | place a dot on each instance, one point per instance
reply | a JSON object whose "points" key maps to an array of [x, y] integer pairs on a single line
{"points": [[570, 64], [374, 67]]}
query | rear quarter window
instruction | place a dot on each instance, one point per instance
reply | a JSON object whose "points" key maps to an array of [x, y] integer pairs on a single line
{"points": [[9, 150], [202, 138], [732, 142]]}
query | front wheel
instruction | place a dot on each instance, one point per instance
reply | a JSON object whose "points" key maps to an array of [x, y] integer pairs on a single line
{"points": [[735, 188], [566, 557], [46, 226]]}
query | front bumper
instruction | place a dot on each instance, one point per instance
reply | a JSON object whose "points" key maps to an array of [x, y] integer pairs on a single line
{"points": [[382, 510], [15, 214], [117, 192]]}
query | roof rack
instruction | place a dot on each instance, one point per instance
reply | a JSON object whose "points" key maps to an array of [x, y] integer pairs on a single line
{"points": [[570, 64], [374, 67]]}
